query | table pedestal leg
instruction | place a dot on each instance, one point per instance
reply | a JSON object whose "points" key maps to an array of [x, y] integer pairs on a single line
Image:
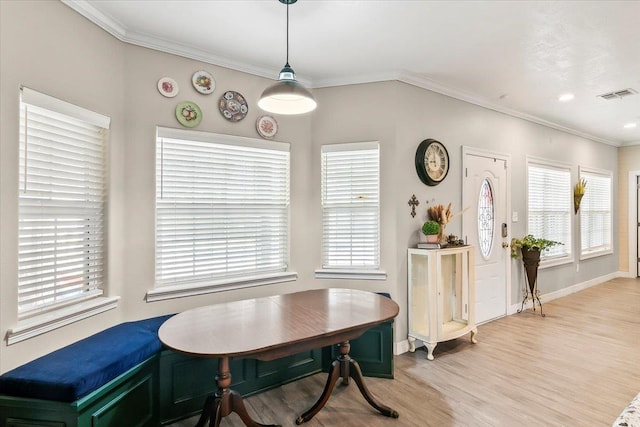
{"points": [[344, 366], [224, 401]]}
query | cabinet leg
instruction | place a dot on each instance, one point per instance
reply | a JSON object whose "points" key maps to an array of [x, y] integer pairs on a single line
{"points": [[430, 348], [412, 344], [474, 332]]}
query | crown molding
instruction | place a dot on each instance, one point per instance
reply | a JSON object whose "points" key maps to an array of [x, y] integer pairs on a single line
{"points": [[110, 25], [354, 80], [434, 86], [628, 144], [119, 31], [177, 49]]}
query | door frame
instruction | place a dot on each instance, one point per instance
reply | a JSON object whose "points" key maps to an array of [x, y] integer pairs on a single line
{"points": [[466, 150], [633, 223]]}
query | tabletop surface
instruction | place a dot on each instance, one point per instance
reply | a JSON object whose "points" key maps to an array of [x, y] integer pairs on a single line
{"points": [[250, 326]]}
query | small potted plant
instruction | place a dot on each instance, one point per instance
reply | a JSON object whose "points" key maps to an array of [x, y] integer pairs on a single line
{"points": [[431, 229], [521, 247]]}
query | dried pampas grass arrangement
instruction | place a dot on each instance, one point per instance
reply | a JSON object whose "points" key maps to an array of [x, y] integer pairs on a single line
{"points": [[442, 216]]}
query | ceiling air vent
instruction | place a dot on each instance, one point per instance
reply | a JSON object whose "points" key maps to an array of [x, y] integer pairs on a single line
{"points": [[619, 94]]}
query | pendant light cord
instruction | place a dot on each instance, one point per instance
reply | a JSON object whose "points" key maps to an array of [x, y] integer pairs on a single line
{"points": [[287, 34]]}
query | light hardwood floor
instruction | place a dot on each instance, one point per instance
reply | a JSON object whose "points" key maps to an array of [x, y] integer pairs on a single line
{"points": [[579, 366]]}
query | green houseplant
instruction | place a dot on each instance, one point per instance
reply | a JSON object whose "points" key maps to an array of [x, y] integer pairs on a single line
{"points": [[431, 229], [530, 243], [529, 249]]}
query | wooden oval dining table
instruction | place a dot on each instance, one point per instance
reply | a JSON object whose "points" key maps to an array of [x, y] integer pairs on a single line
{"points": [[271, 327]]}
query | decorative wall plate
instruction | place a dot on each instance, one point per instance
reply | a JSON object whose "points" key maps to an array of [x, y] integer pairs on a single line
{"points": [[168, 87], [233, 106], [188, 114], [267, 127], [203, 82]]}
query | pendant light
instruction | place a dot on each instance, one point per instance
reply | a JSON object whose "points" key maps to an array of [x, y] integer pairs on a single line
{"points": [[287, 96]]}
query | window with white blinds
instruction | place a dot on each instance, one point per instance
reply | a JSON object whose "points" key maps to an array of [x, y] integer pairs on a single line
{"points": [[350, 206], [595, 214], [222, 207], [61, 203], [550, 206]]}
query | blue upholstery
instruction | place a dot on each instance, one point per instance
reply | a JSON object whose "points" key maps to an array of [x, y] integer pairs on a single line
{"points": [[78, 369]]}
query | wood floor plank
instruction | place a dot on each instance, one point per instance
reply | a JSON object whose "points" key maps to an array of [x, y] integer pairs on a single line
{"points": [[579, 366]]}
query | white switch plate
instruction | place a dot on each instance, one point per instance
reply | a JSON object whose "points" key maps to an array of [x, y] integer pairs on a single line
{"points": [[514, 216]]}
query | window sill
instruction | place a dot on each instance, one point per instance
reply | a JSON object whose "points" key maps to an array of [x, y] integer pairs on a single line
{"points": [[49, 321], [327, 273], [555, 262], [165, 292], [595, 254]]}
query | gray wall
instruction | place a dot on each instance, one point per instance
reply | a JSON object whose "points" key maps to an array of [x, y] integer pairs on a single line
{"points": [[64, 55], [400, 116], [49, 48]]}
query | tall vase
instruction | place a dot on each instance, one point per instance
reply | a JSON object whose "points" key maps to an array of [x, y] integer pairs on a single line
{"points": [[577, 198], [442, 235], [531, 261]]}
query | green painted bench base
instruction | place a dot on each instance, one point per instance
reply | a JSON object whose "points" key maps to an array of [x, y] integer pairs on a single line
{"points": [[169, 386], [133, 393]]}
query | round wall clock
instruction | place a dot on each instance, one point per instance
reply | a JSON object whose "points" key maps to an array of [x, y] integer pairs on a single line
{"points": [[432, 162]]}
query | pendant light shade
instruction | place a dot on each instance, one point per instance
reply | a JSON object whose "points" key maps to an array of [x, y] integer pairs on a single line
{"points": [[287, 96]]}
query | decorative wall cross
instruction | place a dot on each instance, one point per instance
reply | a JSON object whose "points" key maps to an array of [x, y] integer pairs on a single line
{"points": [[413, 202]]}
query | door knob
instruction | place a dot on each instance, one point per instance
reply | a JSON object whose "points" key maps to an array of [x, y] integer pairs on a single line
{"points": [[505, 245]]}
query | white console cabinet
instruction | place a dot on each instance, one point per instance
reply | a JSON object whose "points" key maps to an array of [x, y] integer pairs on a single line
{"points": [[441, 295]]}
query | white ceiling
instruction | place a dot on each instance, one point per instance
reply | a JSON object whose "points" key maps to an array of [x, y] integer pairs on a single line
{"points": [[511, 56]]}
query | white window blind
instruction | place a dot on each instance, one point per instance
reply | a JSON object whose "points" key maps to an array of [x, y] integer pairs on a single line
{"points": [[350, 206], [222, 207], [61, 203], [550, 208], [595, 214]]}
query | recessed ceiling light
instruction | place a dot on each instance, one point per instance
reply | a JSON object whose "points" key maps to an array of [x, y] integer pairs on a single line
{"points": [[566, 97], [630, 125]]}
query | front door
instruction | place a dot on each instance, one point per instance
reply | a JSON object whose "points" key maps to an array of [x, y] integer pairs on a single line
{"points": [[484, 225]]}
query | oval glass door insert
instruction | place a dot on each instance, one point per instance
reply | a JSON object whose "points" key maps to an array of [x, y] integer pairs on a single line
{"points": [[486, 223]]}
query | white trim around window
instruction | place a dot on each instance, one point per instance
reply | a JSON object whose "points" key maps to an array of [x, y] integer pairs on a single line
{"points": [[327, 273], [350, 188], [596, 213], [550, 208], [61, 210], [46, 322], [222, 213], [192, 289]]}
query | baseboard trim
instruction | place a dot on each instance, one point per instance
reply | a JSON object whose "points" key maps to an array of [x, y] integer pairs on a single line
{"points": [[401, 347], [626, 274], [569, 290]]}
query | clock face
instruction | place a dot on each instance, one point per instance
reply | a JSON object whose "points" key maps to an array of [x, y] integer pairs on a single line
{"points": [[432, 162]]}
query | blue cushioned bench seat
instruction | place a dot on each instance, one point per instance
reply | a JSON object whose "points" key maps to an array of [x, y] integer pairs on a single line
{"points": [[123, 377], [76, 370]]}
